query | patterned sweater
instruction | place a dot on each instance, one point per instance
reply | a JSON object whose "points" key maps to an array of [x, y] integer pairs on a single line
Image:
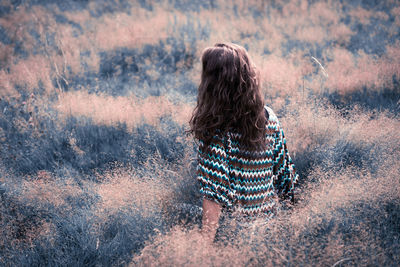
{"points": [[247, 182]]}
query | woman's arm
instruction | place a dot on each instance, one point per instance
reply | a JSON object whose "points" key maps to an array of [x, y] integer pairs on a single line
{"points": [[284, 169], [211, 213]]}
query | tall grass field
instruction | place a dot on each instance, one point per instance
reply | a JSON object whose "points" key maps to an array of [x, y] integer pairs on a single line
{"points": [[95, 97]]}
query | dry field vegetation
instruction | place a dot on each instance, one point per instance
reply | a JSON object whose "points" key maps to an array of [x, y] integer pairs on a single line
{"points": [[95, 97]]}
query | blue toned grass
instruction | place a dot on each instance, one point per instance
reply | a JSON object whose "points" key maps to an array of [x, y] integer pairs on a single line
{"points": [[81, 233]]}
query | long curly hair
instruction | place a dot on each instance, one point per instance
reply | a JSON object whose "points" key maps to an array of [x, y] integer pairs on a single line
{"points": [[229, 97]]}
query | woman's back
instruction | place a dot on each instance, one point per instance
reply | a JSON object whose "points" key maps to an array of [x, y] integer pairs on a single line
{"points": [[243, 180], [243, 160]]}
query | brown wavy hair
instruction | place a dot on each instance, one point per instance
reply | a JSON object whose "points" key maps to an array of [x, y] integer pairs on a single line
{"points": [[229, 97]]}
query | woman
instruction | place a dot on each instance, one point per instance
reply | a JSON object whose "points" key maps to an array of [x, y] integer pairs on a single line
{"points": [[243, 161]]}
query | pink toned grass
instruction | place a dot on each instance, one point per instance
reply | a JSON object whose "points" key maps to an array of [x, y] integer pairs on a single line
{"points": [[127, 190], [348, 72], [109, 110], [28, 74]]}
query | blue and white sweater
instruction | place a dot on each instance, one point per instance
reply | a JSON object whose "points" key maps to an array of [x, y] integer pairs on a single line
{"points": [[247, 181]]}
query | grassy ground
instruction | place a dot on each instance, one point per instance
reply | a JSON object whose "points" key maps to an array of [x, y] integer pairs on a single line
{"points": [[95, 98]]}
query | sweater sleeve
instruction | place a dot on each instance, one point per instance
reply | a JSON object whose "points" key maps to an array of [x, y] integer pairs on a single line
{"points": [[213, 172], [284, 169]]}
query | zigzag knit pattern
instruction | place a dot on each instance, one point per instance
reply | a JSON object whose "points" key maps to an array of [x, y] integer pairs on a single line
{"points": [[247, 181]]}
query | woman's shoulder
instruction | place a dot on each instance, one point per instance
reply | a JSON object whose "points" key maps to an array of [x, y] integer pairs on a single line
{"points": [[271, 115]]}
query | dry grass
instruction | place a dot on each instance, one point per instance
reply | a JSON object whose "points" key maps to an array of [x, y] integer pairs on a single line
{"points": [[311, 234], [60, 215], [107, 110], [29, 74], [350, 72], [127, 191]]}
